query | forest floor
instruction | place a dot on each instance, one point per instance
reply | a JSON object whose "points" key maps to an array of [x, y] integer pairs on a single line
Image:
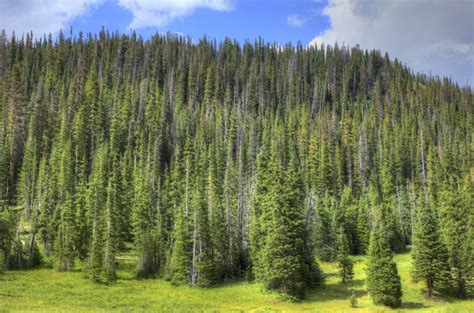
{"points": [[46, 290]]}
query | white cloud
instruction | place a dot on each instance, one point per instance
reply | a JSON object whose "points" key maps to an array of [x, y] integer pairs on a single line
{"points": [[40, 16], [434, 36], [159, 13], [295, 21], [49, 16]]}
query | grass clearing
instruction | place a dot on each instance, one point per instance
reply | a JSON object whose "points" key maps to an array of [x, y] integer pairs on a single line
{"points": [[45, 290]]}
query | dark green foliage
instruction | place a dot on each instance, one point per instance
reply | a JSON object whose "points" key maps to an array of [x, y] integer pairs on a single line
{"points": [[144, 221], [455, 226], [383, 281], [345, 264], [430, 256], [96, 209], [65, 237], [180, 257], [283, 263], [282, 255]]}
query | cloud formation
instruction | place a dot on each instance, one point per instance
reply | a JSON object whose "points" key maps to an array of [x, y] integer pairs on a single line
{"points": [[41, 16], [49, 16], [159, 13], [295, 21], [434, 36]]}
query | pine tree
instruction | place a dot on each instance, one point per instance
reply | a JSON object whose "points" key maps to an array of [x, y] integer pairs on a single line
{"points": [[455, 228], [363, 224], [258, 227], [202, 264], [383, 281], [144, 222], [230, 200], [27, 177], [96, 202], [111, 235], [344, 263], [468, 246], [430, 256], [64, 244], [65, 238], [180, 257], [325, 219], [16, 130], [218, 236], [455, 219], [283, 250]]}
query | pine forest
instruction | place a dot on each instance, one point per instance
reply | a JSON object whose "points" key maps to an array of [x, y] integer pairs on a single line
{"points": [[220, 161]]}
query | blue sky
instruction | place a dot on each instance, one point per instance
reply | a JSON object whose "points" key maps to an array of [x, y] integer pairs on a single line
{"points": [[431, 36], [277, 20]]}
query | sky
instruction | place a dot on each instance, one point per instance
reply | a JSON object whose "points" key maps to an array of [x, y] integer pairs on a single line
{"points": [[431, 36]]}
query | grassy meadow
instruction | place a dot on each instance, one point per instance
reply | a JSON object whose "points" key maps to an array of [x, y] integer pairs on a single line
{"points": [[45, 290]]}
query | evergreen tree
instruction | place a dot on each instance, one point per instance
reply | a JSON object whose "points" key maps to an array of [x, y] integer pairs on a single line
{"points": [[202, 264], [455, 225], [65, 238], [455, 219], [258, 227], [180, 257], [144, 222], [27, 177], [96, 204], [111, 235], [283, 250], [64, 244], [430, 256], [363, 224], [383, 281], [345, 264]]}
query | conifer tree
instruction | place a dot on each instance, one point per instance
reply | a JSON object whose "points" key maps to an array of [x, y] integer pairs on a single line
{"points": [[111, 235], [430, 256], [283, 250], [65, 239], [218, 236], [144, 222], [230, 200], [468, 246], [383, 281], [258, 226], [64, 244], [26, 183], [16, 125], [325, 219], [180, 257], [344, 263], [96, 201], [363, 225], [202, 263], [455, 228], [455, 219]]}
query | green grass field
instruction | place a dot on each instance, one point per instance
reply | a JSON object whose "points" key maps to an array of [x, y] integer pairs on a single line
{"points": [[46, 290]]}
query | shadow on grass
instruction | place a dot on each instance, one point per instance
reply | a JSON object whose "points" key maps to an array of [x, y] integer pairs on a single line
{"points": [[340, 291], [414, 305]]}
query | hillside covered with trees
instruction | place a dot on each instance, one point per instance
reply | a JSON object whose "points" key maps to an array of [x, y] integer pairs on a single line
{"points": [[222, 161]]}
